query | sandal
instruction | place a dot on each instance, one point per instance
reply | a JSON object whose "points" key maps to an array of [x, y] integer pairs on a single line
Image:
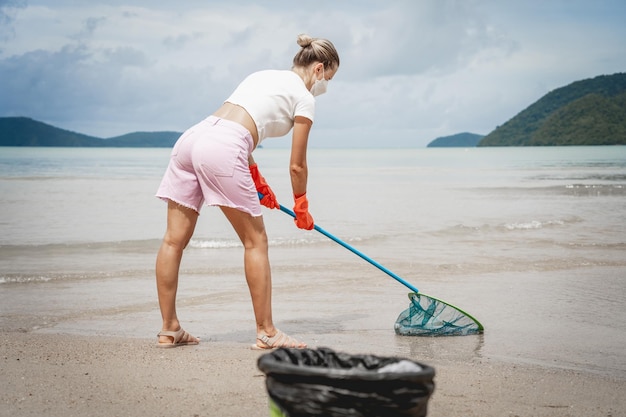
{"points": [[279, 340], [179, 338]]}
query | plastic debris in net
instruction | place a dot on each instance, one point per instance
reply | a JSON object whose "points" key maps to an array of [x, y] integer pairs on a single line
{"points": [[428, 316]]}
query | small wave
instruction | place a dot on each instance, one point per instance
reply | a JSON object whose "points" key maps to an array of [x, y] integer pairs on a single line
{"points": [[617, 186], [616, 246], [213, 244], [125, 246], [39, 278], [577, 189], [228, 244], [462, 230], [533, 224], [23, 279], [596, 189], [52, 277], [277, 242], [539, 224]]}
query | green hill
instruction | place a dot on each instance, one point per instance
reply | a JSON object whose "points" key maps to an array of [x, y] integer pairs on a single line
{"points": [[144, 139], [587, 112], [23, 131], [460, 140]]}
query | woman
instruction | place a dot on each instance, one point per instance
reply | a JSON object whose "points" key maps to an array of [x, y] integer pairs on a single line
{"points": [[212, 163]]}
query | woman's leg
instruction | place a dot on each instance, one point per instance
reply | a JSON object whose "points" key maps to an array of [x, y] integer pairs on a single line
{"points": [[251, 231], [181, 222]]}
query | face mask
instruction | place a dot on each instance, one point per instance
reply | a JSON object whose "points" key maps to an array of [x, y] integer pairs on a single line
{"points": [[319, 86]]}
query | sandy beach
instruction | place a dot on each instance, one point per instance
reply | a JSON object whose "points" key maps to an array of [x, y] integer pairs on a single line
{"points": [[65, 350], [65, 375], [533, 250], [68, 350]]}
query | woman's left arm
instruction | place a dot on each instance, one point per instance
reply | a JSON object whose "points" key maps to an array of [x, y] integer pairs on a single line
{"points": [[298, 169]]}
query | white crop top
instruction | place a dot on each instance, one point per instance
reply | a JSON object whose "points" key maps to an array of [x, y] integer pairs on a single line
{"points": [[273, 98]]}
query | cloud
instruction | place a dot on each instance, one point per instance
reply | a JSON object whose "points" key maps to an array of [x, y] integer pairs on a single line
{"points": [[110, 88], [8, 10], [90, 26], [180, 41], [411, 70], [421, 37]]}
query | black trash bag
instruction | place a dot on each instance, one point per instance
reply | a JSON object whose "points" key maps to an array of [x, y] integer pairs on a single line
{"points": [[322, 382]]}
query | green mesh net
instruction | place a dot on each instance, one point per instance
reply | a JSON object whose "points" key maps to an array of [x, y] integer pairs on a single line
{"points": [[428, 316]]}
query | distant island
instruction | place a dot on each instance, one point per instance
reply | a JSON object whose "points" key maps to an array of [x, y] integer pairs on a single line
{"points": [[23, 131], [587, 112], [460, 140]]}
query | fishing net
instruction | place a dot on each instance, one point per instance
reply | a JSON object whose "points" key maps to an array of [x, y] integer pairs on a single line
{"points": [[428, 316]]}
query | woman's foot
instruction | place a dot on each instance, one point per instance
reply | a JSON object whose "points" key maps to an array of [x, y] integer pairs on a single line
{"points": [[279, 340], [169, 339]]}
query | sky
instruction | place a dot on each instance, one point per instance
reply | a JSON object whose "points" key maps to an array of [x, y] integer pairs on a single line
{"points": [[411, 71]]}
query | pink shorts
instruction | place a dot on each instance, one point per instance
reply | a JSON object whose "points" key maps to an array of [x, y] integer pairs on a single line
{"points": [[209, 164]]}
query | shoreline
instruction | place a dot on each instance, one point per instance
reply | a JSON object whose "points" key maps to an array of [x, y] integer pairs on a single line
{"points": [[66, 375]]}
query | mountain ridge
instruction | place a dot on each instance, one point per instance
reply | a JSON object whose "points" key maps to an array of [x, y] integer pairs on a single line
{"points": [[586, 112], [24, 131], [459, 140]]}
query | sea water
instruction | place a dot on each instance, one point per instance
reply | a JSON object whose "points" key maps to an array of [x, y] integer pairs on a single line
{"points": [[531, 241]]}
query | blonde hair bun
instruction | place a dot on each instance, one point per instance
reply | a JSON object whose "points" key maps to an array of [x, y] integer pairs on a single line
{"points": [[305, 40], [321, 50]]}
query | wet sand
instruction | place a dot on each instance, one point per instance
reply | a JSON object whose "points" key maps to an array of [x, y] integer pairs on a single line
{"points": [[85, 347], [64, 375]]}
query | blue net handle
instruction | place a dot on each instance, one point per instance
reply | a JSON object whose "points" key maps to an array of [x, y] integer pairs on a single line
{"points": [[402, 281], [353, 250]]}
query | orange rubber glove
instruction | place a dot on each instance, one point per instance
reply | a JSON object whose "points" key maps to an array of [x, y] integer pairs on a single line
{"points": [[269, 198], [303, 219]]}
